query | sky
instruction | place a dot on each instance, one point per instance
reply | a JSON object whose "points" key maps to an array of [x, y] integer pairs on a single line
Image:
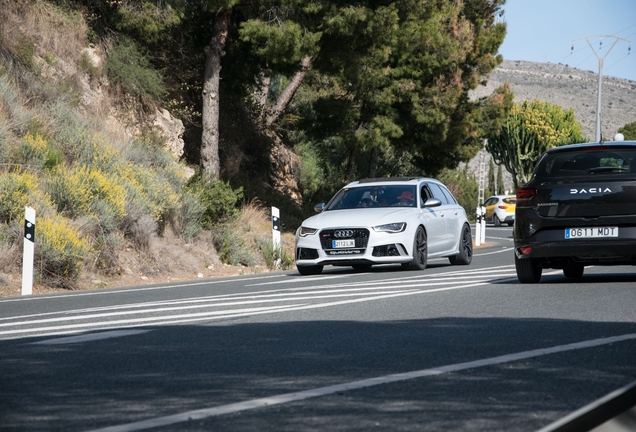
{"points": [[544, 31]]}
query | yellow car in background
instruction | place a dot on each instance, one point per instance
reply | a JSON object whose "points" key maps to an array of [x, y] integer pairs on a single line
{"points": [[501, 209]]}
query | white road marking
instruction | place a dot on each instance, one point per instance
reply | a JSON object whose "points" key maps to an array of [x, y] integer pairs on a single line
{"points": [[355, 385], [176, 308], [225, 299], [90, 337], [496, 252], [136, 322], [305, 279], [501, 238], [365, 291], [209, 316], [120, 291]]}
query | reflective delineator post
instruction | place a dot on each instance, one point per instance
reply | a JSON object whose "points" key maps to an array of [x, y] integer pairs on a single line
{"points": [[483, 225], [276, 236], [29, 250], [478, 226]]}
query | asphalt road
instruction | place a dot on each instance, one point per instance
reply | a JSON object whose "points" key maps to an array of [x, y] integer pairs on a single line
{"points": [[450, 348]]}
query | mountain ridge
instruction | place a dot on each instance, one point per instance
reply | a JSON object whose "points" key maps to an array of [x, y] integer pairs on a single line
{"points": [[569, 87]]}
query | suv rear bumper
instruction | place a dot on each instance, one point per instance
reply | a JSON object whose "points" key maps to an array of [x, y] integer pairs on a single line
{"points": [[565, 253]]}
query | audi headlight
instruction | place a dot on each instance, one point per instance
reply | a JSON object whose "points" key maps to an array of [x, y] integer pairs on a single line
{"points": [[391, 228], [305, 231]]}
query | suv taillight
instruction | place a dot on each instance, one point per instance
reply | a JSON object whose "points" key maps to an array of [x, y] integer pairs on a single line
{"points": [[525, 194]]}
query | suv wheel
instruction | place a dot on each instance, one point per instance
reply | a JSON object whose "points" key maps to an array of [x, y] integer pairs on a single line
{"points": [[528, 270]]}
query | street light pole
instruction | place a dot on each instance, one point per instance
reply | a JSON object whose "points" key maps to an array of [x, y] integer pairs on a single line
{"points": [[600, 72]]}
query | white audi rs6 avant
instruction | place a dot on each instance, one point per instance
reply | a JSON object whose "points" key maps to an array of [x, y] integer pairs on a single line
{"points": [[385, 221]]}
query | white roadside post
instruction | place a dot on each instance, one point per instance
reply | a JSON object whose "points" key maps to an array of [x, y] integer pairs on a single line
{"points": [[28, 252], [478, 227], [276, 236], [483, 225]]}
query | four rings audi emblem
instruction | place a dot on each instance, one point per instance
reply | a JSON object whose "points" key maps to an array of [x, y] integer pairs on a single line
{"points": [[343, 233]]}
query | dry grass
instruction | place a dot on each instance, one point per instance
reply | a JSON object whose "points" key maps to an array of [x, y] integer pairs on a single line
{"points": [[257, 219], [54, 32]]}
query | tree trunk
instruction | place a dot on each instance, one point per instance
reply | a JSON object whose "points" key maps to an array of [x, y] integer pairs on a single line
{"points": [[263, 81], [210, 163], [286, 96], [351, 164], [373, 162]]}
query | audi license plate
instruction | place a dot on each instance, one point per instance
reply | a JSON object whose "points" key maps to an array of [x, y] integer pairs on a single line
{"points": [[597, 232], [343, 243]]}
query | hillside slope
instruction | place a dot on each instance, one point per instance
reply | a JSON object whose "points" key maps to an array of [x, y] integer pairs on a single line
{"points": [[570, 88]]}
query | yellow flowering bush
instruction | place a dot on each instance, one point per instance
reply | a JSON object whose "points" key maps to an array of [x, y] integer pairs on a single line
{"points": [[147, 191], [75, 192], [15, 191], [95, 151], [59, 250], [34, 149]]}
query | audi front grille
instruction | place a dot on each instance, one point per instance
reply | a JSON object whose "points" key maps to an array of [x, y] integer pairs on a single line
{"points": [[361, 236]]}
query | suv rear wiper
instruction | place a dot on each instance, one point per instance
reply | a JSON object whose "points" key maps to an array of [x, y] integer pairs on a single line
{"points": [[607, 169]]}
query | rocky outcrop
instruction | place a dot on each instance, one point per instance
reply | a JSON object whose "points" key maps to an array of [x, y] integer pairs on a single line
{"points": [[172, 129]]}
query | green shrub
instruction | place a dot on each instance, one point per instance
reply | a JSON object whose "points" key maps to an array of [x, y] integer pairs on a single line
{"points": [[50, 59], [188, 219], [86, 64], [106, 252], [232, 248], [218, 198], [24, 51], [15, 117], [311, 173], [129, 68], [140, 231], [629, 131], [4, 144], [71, 130], [276, 258]]}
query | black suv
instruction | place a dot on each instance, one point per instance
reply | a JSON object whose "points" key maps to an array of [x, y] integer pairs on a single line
{"points": [[578, 209]]}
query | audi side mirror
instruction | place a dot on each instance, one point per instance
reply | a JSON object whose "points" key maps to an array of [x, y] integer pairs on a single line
{"points": [[319, 207], [433, 202]]}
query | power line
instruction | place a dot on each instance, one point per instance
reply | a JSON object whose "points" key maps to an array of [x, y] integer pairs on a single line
{"points": [[573, 52], [623, 58], [583, 61], [633, 25]]}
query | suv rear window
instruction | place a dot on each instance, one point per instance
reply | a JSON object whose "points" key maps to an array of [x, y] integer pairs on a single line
{"points": [[582, 163]]}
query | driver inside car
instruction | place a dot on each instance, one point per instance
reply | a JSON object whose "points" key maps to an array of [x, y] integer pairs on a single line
{"points": [[406, 199]]}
